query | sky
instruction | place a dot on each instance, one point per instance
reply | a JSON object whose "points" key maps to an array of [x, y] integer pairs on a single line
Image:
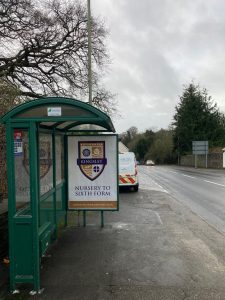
{"points": [[156, 48]]}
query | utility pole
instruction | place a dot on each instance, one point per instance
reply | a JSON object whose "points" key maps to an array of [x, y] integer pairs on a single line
{"points": [[89, 52]]}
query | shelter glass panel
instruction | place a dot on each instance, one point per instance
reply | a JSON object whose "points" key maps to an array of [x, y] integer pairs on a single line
{"points": [[59, 155], [65, 124], [49, 124], [88, 127], [47, 209], [45, 163], [22, 171]]}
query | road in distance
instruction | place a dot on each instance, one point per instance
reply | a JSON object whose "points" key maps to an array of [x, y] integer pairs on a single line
{"points": [[202, 190]]}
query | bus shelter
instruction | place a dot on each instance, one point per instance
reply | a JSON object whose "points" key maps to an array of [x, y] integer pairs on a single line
{"points": [[37, 134]]}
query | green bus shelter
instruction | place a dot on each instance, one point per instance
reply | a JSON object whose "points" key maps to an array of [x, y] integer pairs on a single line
{"points": [[36, 133]]}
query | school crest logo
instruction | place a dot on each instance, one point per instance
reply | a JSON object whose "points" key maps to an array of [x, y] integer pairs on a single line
{"points": [[91, 158], [45, 160]]}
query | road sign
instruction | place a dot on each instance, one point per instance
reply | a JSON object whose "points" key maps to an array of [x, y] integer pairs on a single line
{"points": [[200, 147]]}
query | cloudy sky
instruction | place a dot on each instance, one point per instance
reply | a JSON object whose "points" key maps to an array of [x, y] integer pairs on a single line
{"points": [[158, 46]]}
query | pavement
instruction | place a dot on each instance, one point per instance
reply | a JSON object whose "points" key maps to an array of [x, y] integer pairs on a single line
{"points": [[4, 279], [153, 248]]}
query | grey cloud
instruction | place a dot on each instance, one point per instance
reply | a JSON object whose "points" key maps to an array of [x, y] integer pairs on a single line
{"points": [[156, 48]]}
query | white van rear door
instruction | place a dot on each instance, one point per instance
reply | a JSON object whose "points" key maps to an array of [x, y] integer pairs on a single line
{"points": [[127, 164]]}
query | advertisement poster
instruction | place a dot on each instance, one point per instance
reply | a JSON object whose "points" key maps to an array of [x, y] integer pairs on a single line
{"points": [[93, 172], [18, 142]]}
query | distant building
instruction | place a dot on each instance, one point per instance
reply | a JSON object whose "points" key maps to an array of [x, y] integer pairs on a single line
{"points": [[122, 148]]}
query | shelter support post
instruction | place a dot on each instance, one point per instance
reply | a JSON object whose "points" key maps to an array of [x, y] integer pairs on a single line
{"points": [[11, 204], [54, 183], [84, 218], [34, 201], [102, 218]]}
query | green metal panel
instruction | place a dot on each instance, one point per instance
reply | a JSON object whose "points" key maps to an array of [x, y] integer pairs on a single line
{"points": [[31, 229], [11, 202], [45, 237], [23, 252], [45, 241], [54, 179], [66, 167], [99, 115], [34, 202], [65, 198]]}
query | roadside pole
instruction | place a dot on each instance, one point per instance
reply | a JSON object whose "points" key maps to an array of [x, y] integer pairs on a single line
{"points": [[89, 52], [90, 87]]}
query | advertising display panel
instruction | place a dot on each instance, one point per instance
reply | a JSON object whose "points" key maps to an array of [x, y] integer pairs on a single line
{"points": [[93, 172]]}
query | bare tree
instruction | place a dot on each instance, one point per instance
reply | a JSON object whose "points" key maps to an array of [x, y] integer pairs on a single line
{"points": [[106, 101], [44, 49], [8, 99]]}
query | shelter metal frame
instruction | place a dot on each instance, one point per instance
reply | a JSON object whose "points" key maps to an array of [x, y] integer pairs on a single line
{"points": [[34, 226]]}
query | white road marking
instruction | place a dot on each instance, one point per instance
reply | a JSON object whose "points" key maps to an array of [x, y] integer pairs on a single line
{"points": [[199, 178], [158, 217], [161, 187], [188, 176], [182, 174], [214, 183]]}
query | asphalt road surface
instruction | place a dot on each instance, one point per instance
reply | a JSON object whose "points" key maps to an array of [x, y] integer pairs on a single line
{"points": [[202, 190]]}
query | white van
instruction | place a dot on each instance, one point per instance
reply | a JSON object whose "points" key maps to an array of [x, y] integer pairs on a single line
{"points": [[128, 171]]}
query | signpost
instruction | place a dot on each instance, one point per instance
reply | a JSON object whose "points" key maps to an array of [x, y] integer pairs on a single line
{"points": [[200, 147]]}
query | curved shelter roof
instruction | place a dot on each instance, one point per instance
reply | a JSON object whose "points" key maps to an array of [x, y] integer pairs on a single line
{"points": [[65, 114]]}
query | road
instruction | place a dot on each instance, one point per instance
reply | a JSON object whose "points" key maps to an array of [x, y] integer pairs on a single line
{"points": [[203, 191]]}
